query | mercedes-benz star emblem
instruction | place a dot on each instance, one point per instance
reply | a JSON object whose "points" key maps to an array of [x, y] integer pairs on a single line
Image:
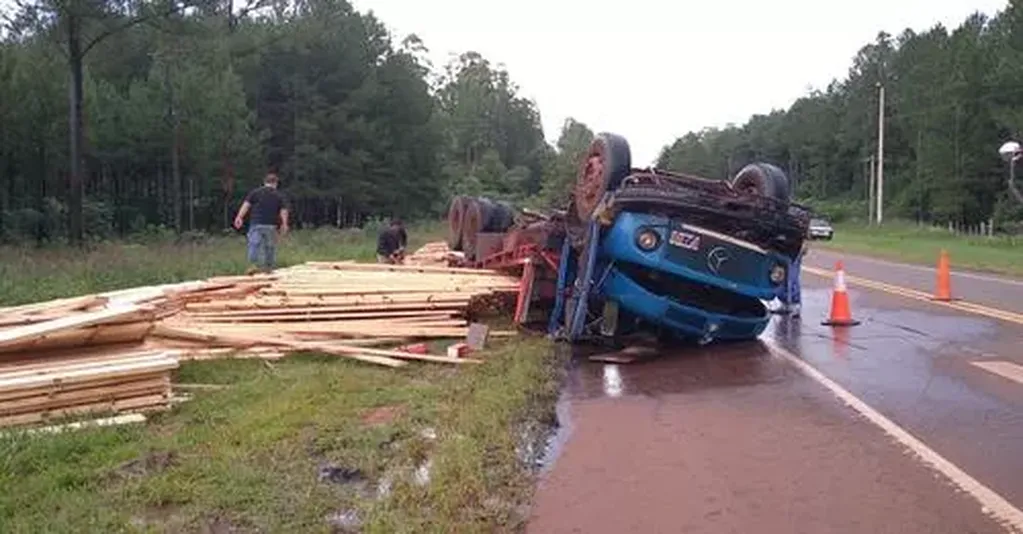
{"points": [[716, 258]]}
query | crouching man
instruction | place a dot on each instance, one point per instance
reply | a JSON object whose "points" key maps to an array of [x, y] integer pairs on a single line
{"points": [[391, 243]]}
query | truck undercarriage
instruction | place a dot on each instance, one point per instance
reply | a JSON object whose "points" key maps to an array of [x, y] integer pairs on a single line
{"points": [[646, 248]]}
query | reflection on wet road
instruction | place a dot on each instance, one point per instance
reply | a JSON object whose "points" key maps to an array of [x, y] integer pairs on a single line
{"points": [[731, 438]]}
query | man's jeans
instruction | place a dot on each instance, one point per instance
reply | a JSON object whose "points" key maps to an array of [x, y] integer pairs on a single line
{"points": [[791, 295], [263, 246]]}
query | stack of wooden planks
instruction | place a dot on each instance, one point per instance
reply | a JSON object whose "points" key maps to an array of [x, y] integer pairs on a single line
{"points": [[116, 351], [47, 370], [437, 253], [337, 308], [38, 390]]}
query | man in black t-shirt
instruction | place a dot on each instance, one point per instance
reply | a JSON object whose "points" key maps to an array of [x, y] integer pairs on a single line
{"points": [[266, 207], [391, 243]]}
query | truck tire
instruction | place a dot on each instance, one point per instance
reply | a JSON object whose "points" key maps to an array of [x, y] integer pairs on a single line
{"points": [[607, 163], [483, 216], [456, 216], [763, 179]]}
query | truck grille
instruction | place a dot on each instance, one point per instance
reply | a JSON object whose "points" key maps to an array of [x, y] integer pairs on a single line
{"points": [[684, 291]]}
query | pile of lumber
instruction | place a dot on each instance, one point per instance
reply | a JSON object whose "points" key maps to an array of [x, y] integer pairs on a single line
{"points": [[337, 308], [47, 370], [41, 389], [117, 351], [437, 254]]}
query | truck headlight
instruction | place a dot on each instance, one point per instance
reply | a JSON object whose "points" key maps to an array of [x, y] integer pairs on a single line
{"points": [[777, 274], [647, 239]]}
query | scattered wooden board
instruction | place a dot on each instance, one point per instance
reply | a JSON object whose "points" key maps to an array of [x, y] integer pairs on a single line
{"points": [[115, 351]]}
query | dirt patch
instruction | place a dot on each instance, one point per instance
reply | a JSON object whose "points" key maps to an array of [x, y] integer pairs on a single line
{"points": [[157, 516], [383, 415], [219, 524], [339, 474], [148, 464]]}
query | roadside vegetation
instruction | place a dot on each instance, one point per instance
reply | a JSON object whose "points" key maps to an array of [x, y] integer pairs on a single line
{"points": [[309, 443], [911, 243], [953, 95], [30, 273]]}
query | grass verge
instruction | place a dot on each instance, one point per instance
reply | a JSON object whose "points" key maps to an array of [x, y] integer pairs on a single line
{"points": [[311, 443], [912, 244], [30, 274], [304, 445]]}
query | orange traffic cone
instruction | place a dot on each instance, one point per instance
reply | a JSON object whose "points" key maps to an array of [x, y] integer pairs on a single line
{"points": [[840, 313], [943, 292]]}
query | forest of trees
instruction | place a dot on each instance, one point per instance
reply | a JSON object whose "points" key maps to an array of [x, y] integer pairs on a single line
{"points": [[121, 117], [952, 98], [185, 106]]}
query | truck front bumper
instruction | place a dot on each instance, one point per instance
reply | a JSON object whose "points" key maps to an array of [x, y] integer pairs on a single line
{"points": [[684, 320]]}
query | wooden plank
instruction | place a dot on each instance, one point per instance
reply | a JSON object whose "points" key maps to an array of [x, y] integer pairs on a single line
{"points": [[60, 366], [327, 347], [45, 359], [397, 268], [64, 387], [106, 421], [244, 355], [350, 328], [76, 397], [201, 387], [151, 402], [243, 341], [87, 374], [59, 305], [106, 333], [327, 306], [25, 333]]}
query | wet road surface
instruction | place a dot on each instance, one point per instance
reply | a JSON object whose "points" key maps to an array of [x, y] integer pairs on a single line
{"points": [[732, 438], [989, 290]]}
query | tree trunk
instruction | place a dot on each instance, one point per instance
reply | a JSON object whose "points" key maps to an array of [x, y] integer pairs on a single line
{"points": [[76, 185], [228, 184], [175, 161], [176, 180]]}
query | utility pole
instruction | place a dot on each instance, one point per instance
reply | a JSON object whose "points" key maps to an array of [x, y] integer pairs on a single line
{"points": [[880, 153], [870, 198]]}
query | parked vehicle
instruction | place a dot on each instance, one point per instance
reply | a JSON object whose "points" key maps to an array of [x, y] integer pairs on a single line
{"points": [[821, 229]]}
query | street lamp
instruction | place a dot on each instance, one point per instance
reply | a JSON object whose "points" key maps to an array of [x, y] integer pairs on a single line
{"points": [[1011, 152]]}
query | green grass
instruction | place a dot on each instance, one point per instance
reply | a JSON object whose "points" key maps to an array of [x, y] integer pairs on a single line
{"points": [[912, 244], [29, 274], [246, 458]]}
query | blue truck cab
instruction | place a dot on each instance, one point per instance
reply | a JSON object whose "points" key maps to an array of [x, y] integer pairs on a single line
{"points": [[694, 280], [692, 257]]}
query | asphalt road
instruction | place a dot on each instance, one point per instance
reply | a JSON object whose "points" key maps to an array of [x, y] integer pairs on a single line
{"points": [[989, 290], [910, 422]]}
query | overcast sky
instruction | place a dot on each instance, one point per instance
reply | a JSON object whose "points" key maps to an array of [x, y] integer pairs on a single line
{"points": [[652, 70]]}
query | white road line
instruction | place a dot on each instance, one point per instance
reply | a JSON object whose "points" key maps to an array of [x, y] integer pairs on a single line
{"points": [[1003, 369], [921, 268], [991, 503]]}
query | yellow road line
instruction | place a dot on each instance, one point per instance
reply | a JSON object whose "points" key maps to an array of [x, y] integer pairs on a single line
{"points": [[959, 305]]}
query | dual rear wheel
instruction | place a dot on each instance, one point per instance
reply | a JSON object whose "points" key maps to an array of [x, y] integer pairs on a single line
{"points": [[609, 161]]}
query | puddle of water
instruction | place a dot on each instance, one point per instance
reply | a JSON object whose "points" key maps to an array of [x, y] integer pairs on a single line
{"points": [[346, 521], [421, 476]]}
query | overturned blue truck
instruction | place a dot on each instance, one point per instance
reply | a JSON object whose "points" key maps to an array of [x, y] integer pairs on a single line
{"points": [[644, 249]]}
